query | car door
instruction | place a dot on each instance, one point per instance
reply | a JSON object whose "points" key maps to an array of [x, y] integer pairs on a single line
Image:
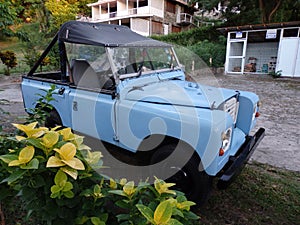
{"points": [[92, 113]]}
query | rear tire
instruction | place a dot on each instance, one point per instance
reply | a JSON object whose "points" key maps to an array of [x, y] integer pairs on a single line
{"points": [[188, 179], [53, 119]]}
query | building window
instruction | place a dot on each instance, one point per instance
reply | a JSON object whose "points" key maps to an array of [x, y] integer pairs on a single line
{"points": [[157, 27], [176, 29], [142, 3], [171, 7], [294, 32], [238, 35]]}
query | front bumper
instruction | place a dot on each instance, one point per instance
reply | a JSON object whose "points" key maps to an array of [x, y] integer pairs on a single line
{"points": [[236, 163]]}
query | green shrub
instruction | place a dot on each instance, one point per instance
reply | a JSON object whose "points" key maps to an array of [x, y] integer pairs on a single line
{"points": [[205, 42], [276, 74], [191, 37], [41, 112], [54, 174], [9, 59], [212, 53]]}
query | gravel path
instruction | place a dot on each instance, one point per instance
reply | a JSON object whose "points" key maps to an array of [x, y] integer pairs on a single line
{"points": [[280, 114]]}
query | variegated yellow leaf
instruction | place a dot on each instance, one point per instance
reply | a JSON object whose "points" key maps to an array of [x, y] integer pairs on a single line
{"points": [[67, 151], [50, 139], [93, 157], [15, 163], [186, 205], [112, 184], [20, 138], [25, 128], [163, 213], [55, 128], [67, 134], [83, 147], [26, 154], [36, 133], [71, 172], [30, 130], [163, 187], [129, 188], [123, 181], [54, 161], [78, 140], [74, 163]]}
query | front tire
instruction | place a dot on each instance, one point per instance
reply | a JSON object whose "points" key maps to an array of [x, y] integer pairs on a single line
{"points": [[188, 179], [53, 119]]}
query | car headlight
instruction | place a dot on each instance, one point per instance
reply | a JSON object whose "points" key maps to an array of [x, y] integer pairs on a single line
{"points": [[226, 139], [255, 110]]}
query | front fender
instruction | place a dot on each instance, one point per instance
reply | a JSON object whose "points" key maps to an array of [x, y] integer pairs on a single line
{"points": [[200, 128], [247, 108]]}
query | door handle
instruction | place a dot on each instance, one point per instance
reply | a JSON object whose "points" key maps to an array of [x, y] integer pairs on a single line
{"points": [[61, 91]]}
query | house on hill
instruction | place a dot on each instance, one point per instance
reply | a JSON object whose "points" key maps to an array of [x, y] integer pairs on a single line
{"points": [[146, 17], [263, 49]]}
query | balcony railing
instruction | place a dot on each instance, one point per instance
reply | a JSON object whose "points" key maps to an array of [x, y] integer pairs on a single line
{"points": [[133, 11], [187, 19]]}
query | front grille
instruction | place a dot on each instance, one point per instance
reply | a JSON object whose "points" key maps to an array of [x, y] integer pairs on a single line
{"points": [[231, 107]]}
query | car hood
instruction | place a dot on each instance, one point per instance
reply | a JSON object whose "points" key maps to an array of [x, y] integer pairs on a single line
{"points": [[178, 92]]}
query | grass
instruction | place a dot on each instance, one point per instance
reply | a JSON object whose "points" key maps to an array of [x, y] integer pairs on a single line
{"points": [[261, 195]]}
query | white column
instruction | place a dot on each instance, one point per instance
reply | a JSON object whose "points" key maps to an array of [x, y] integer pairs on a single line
{"points": [[130, 25], [227, 54], [93, 13], [150, 26], [127, 5]]}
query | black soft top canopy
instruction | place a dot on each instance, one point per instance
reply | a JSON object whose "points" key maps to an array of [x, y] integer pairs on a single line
{"points": [[104, 35]]}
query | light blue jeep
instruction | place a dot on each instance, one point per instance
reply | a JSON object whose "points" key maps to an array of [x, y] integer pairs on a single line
{"points": [[130, 91]]}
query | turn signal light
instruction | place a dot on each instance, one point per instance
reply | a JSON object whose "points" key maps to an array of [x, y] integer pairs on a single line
{"points": [[257, 114], [221, 152]]}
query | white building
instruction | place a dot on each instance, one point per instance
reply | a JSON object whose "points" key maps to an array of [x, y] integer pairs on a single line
{"points": [[263, 48], [146, 17]]}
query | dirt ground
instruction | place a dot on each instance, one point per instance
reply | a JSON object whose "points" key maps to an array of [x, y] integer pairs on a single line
{"points": [[280, 116], [280, 113]]}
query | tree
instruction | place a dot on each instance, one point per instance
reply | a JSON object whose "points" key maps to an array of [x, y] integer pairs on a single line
{"points": [[9, 59], [7, 18], [240, 12], [83, 8], [37, 9], [62, 11], [268, 9]]}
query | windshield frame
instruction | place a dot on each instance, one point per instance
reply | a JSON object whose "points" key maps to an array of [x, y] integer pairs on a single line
{"points": [[139, 72]]}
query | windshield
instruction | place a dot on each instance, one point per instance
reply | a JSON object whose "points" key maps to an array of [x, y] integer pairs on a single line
{"points": [[130, 61]]}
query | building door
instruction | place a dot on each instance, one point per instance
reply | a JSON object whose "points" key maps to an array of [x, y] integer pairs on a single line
{"points": [[235, 56], [289, 57], [297, 62], [236, 52], [166, 29]]}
